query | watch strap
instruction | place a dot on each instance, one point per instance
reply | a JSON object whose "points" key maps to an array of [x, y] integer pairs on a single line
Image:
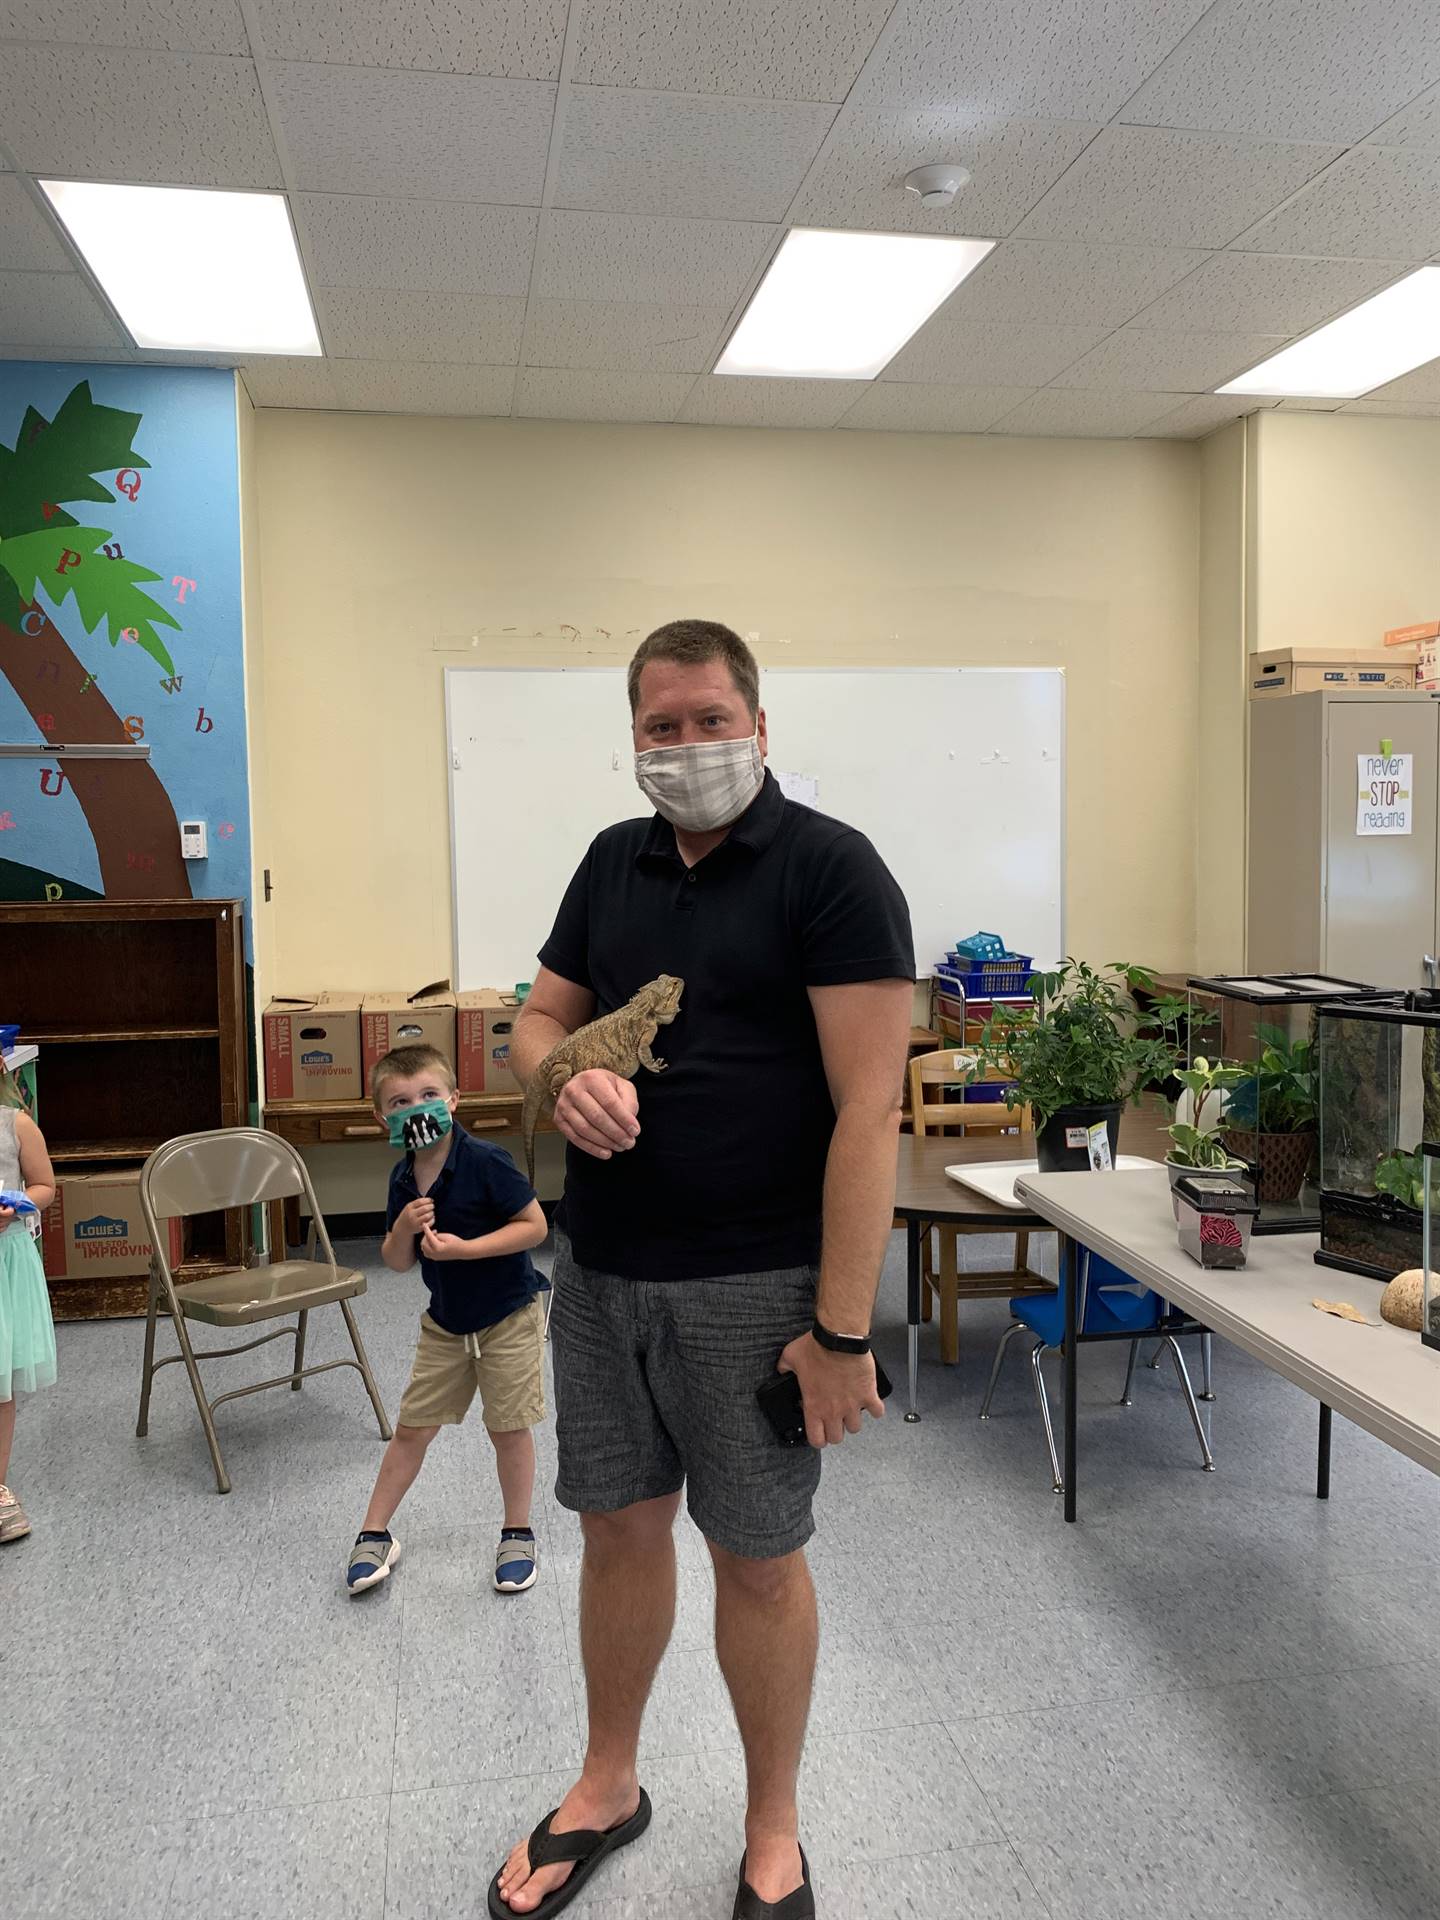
{"points": [[839, 1342]]}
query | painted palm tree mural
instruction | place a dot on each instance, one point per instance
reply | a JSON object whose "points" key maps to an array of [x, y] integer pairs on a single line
{"points": [[48, 558]]}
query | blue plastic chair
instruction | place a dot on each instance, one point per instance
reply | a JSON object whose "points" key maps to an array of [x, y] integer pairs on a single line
{"points": [[1111, 1303]]}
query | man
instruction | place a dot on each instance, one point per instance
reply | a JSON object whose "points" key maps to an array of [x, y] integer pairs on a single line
{"points": [[694, 1263]]}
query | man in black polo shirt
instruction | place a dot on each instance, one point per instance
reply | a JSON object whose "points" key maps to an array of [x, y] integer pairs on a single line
{"points": [[722, 1219]]}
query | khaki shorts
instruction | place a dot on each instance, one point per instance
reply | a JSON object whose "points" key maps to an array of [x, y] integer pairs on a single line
{"points": [[506, 1362]]}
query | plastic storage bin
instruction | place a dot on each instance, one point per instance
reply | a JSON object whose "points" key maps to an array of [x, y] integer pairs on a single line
{"points": [[1009, 973], [1215, 1216]]}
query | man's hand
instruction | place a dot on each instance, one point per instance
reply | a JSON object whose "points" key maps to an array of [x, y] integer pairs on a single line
{"points": [[417, 1216], [836, 1389], [598, 1112], [443, 1246]]}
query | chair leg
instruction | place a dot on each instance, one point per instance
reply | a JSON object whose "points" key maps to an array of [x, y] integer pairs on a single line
{"points": [[147, 1373], [1040, 1394], [1194, 1411], [1207, 1364], [386, 1432], [1130, 1373], [549, 1306], [202, 1404], [1000, 1352], [949, 1302], [1022, 1252], [1154, 1361], [300, 1326]]}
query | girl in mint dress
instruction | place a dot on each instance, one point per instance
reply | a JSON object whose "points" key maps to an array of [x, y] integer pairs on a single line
{"points": [[27, 1336]]}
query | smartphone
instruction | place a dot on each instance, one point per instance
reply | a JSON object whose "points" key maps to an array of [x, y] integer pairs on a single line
{"points": [[782, 1406]]}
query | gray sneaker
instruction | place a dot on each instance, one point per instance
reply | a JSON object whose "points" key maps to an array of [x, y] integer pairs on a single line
{"points": [[14, 1521], [370, 1563], [516, 1568]]}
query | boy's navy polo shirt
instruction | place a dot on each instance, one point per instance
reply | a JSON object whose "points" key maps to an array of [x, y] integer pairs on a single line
{"points": [[727, 1174], [478, 1190]]}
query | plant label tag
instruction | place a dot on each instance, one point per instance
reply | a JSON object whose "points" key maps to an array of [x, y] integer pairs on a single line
{"points": [[1385, 802], [1077, 1136], [1097, 1140]]}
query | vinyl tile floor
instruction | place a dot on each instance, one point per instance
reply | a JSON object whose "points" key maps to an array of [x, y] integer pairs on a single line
{"points": [[1215, 1695]]}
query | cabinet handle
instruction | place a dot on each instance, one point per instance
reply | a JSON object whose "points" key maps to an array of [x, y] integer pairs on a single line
{"points": [[362, 1133]]}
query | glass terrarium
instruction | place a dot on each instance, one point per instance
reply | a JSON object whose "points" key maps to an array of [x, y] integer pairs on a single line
{"points": [[1379, 1104], [1430, 1246], [1265, 1025]]}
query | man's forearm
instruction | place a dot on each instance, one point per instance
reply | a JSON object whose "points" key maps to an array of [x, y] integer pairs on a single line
{"points": [[859, 1209], [535, 1035]]}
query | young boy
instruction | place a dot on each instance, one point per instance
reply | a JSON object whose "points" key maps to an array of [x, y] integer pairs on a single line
{"points": [[474, 1219]]}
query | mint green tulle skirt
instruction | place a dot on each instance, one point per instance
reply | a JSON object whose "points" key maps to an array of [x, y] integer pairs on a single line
{"points": [[27, 1333]]}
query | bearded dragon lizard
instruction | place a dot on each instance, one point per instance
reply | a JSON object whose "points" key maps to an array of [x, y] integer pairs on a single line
{"points": [[620, 1041]]}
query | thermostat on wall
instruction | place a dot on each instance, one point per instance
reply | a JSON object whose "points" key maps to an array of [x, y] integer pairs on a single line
{"points": [[192, 840]]}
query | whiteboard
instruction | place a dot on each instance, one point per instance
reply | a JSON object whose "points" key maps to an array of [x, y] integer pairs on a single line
{"points": [[957, 774]]}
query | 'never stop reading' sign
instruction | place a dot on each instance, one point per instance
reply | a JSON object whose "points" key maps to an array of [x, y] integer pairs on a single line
{"points": [[1386, 802]]}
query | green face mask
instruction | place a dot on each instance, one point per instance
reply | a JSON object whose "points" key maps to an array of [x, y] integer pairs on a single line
{"points": [[420, 1126]]}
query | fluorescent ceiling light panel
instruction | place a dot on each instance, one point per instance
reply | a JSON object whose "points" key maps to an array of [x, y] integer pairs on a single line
{"points": [[839, 306], [1385, 336], [187, 268]]}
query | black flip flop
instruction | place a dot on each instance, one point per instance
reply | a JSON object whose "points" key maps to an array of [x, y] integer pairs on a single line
{"points": [[585, 1846], [799, 1905]]}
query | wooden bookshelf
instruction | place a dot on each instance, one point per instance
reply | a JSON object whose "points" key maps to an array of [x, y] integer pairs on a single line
{"points": [[139, 1007]]}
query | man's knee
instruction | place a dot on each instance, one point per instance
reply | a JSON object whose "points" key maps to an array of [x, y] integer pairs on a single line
{"points": [[761, 1580], [645, 1526]]}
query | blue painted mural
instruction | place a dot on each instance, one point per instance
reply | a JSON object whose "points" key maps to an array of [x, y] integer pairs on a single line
{"points": [[120, 621]]}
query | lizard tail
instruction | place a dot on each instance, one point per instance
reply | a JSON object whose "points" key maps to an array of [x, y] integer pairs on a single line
{"points": [[529, 1114]]}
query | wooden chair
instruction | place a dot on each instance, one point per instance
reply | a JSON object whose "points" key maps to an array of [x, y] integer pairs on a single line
{"points": [[949, 1071]]}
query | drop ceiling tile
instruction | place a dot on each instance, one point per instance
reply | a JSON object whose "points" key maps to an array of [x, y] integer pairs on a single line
{"points": [[1265, 293], [1423, 384], [890, 407], [861, 179], [1378, 203], [509, 39], [1294, 69], [1146, 184], [279, 381], [734, 400], [555, 393], [55, 310], [1065, 412], [1309, 403], [27, 237], [365, 324], [377, 387], [991, 353], [620, 336], [44, 356], [1151, 359], [1194, 418], [437, 136], [679, 154], [1027, 57], [1417, 125], [808, 50], [186, 119], [1047, 281], [1396, 409], [441, 246], [606, 256], [162, 26]]}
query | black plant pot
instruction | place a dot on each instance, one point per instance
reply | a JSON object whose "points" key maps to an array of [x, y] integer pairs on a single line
{"points": [[1057, 1155]]}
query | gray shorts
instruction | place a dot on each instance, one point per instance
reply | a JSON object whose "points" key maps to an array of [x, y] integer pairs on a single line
{"points": [[655, 1387]]}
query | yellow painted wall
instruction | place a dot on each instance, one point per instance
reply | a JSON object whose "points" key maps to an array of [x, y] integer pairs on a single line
{"points": [[1219, 826]]}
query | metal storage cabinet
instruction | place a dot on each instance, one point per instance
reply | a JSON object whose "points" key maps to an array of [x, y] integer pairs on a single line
{"points": [[1320, 894]]}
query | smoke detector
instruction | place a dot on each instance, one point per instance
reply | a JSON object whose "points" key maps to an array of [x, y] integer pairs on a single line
{"points": [[936, 187]]}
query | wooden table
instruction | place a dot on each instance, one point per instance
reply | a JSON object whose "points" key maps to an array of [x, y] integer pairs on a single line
{"points": [[1385, 1380], [924, 1191]]}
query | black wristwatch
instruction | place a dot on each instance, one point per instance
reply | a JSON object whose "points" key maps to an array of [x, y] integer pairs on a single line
{"points": [[839, 1342]]}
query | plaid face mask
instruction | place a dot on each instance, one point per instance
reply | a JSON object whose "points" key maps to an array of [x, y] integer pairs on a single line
{"points": [[702, 787]]}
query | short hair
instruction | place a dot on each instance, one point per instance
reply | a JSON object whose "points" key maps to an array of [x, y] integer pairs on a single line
{"points": [[694, 643], [401, 1062]]}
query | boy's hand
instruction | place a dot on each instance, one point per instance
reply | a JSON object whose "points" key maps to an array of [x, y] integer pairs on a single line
{"points": [[416, 1216], [442, 1246]]}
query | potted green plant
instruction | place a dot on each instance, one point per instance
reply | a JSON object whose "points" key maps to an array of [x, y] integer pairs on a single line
{"points": [[1270, 1115], [1197, 1145], [1377, 1233], [1075, 1055]]}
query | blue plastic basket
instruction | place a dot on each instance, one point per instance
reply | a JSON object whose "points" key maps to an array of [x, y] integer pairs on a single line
{"points": [[1011, 973], [8, 1037]]}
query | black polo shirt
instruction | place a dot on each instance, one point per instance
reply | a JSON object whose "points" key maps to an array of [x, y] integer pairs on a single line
{"points": [[478, 1190], [726, 1175]]}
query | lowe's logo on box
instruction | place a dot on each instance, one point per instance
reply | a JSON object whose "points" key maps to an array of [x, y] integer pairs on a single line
{"points": [[317, 1059], [100, 1227]]}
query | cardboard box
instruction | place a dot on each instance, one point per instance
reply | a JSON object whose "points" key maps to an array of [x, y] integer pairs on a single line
{"points": [[1313, 670], [312, 1047], [1417, 635], [93, 1228], [423, 1019], [485, 1020]]}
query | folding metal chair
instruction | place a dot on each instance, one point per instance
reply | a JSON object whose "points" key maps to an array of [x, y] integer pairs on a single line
{"points": [[210, 1173]]}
